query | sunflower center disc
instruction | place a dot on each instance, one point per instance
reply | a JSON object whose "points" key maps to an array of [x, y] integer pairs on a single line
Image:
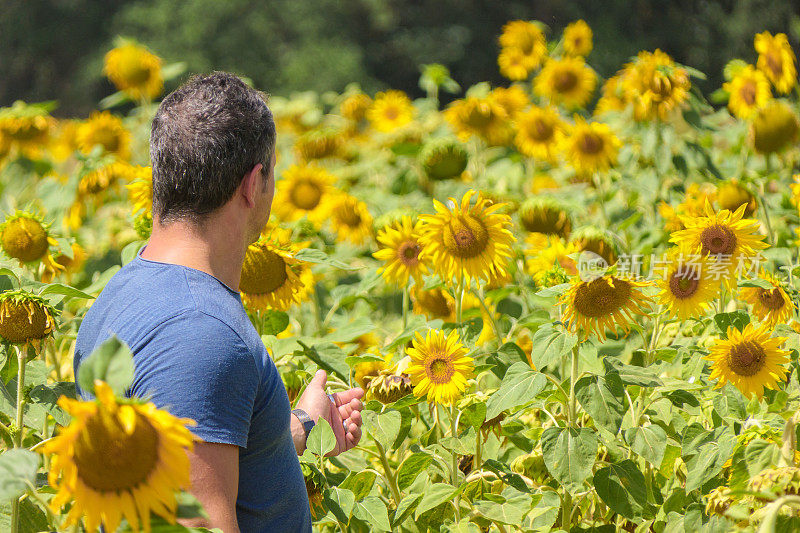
{"points": [[599, 298], [408, 253], [748, 93], [746, 358], [263, 272], [108, 459], [771, 299], [775, 64], [348, 216], [465, 236], [391, 113], [541, 131], [306, 195], [440, 370], [133, 71], [684, 284], [718, 240], [591, 143], [479, 116], [25, 239], [565, 81]]}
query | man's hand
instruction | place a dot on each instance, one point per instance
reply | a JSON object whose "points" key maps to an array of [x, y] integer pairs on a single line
{"points": [[346, 413]]}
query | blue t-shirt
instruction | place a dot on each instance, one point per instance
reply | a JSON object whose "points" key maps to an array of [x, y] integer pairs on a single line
{"points": [[198, 356]]}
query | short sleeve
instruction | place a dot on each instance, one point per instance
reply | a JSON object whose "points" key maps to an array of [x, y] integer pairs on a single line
{"points": [[195, 366]]}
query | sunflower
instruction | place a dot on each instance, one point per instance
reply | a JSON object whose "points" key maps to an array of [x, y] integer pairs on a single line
{"points": [[24, 317], [568, 81], [750, 359], [305, 190], [63, 142], [355, 106], [514, 64], [364, 372], [467, 241], [578, 38], [749, 90], [26, 126], [729, 239], [512, 99], [656, 85], [590, 147], [25, 236], [591, 239], [439, 366], [693, 205], [444, 159], [541, 214], [270, 276], [433, 303], [319, 144], [390, 110], [134, 71], [776, 59], [771, 306], [481, 117], [603, 303], [688, 286], [612, 96], [118, 459], [106, 130], [401, 252], [539, 131], [350, 219], [774, 127], [732, 194], [541, 259], [389, 386], [719, 500], [140, 191], [108, 176], [527, 38]]}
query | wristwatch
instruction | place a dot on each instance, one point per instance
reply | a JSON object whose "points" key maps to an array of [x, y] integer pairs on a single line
{"points": [[304, 419]]}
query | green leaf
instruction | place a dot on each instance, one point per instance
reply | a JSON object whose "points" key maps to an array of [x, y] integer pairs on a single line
{"points": [[622, 487], [729, 402], [340, 502], [549, 344], [310, 255], [411, 467], [65, 290], [758, 283], [360, 483], [130, 251], [569, 455], [512, 353], [358, 327], [603, 399], [273, 321], [711, 449], [18, 467], [510, 510], [382, 427], [321, 438], [405, 508], [520, 385], [31, 518], [632, 375], [111, 362], [327, 356], [555, 290], [373, 511], [760, 455], [11, 274], [736, 319], [648, 442], [434, 494]]}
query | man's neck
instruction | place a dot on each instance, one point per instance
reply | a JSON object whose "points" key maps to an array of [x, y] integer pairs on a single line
{"points": [[214, 248]]}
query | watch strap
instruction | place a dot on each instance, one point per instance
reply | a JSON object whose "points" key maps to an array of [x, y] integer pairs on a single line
{"points": [[304, 419]]}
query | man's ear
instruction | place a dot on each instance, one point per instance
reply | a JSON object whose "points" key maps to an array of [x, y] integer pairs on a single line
{"points": [[249, 186]]}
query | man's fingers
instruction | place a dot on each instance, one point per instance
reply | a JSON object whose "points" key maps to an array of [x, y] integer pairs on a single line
{"points": [[344, 397], [345, 411], [353, 436], [319, 379]]}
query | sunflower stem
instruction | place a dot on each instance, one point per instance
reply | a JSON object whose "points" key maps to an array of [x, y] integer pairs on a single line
{"points": [[454, 478], [19, 429], [573, 378], [601, 193], [566, 511], [479, 294], [405, 307], [656, 333], [390, 478], [765, 209]]}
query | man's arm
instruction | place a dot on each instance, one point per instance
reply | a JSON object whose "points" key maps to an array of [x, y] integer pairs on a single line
{"points": [[215, 484]]}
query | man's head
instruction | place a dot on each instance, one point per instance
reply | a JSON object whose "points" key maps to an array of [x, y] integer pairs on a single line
{"points": [[207, 136]]}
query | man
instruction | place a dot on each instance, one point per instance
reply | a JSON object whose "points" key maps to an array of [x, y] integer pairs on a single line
{"points": [[197, 355]]}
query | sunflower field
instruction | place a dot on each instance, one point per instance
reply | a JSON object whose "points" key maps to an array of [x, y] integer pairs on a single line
{"points": [[572, 301]]}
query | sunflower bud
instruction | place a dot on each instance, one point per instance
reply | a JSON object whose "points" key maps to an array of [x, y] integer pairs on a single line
{"points": [[319, 144], [545, 215], [444, 159]]}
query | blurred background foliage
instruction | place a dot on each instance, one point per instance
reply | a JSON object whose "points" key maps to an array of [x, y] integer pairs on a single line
{"points": [[53, 49]]}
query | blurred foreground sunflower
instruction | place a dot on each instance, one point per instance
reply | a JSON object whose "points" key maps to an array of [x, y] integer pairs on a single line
{"points": [[541, 214], [400, 252], [527, 38], [107, 131], [569, 82], [305, 190], [749, 90], [439, 366], [390, 110], [134, 71], [603, 304], [469, 241], [751, 360], [118, 459], [590, 147], [480, 117], [776, 59], [350, 219], [539, 132], [578, 38], [774, 127]]}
